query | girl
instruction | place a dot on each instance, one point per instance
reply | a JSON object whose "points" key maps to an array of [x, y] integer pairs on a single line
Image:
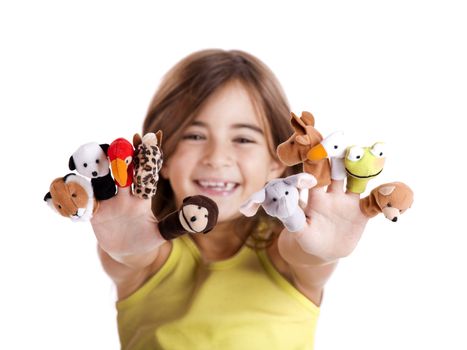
{"points": [[247, 284]]}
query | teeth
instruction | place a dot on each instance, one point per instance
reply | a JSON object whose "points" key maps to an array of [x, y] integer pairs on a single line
{"points": [[221, 185]]}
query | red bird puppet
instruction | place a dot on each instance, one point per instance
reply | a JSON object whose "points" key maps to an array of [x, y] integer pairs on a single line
{"points": [[120, 154]]}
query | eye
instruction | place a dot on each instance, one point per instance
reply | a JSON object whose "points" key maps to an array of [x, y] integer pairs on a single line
{"points": [[59, 206], [199, 208], [128, 160], [73, 195], [292, 142], [97, 161], [286, 193], [389, 205], [274, 199], [336, 146], [85, 165], [194, 137], [378, 150], [244, 140], [355, 154], [205, 216]]}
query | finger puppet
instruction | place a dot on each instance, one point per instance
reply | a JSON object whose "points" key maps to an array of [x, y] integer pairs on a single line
{"points": [[363, 164], [198, 214], [391, 199], [280, 198], [147, 163], [120, 154], [72, 197], [295, 149], [90, 160], [333, 147]]}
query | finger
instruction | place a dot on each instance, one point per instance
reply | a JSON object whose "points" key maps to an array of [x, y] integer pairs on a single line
{"points": [[336, 186], [352, 194], [124, 191]]}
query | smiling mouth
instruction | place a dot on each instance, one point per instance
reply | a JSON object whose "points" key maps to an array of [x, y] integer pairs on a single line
{"points": [[363, 177]]}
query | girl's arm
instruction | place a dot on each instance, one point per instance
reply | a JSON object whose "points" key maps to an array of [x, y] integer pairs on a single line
{"points": [[129, 241], [334, 227]]}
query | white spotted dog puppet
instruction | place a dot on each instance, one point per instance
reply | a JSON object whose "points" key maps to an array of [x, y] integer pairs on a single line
{"points": [[72, 196], [280, 198], [333, 147], [148, 163], [90, 160]]}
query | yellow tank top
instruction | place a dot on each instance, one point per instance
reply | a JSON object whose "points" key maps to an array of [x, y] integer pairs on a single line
{"points": [[239, 303]]}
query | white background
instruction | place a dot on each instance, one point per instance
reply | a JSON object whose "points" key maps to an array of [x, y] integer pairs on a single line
{"points": [[395, 71]]}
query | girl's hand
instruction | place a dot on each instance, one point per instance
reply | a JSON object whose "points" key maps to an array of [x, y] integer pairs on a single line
{"points": [[334, 224], [124, 225]]}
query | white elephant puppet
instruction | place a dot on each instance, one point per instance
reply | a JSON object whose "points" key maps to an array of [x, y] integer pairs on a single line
{"points": [[280, 198]]}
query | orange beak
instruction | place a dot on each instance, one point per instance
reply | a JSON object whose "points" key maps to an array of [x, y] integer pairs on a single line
{"points": [[120, 171], [317, 153]]}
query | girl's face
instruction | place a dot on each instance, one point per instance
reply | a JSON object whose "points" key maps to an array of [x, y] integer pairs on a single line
{"points": [[223, 155]]}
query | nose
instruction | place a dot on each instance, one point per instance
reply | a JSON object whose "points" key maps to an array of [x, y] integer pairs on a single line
{"points": [[193, 218], [218, 155], [94, 173], [395, 219]]}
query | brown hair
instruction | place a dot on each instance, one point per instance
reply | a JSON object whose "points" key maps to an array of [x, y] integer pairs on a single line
{"points": [[188, 85]]}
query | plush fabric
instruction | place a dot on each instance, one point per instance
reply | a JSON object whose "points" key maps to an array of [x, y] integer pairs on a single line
{"points": [[90, 160], [198, 214], [295, 149], [391, 199], [147, 162], [363, 164], [334, 148], [280, 198], [120, 154], [72, 196]]}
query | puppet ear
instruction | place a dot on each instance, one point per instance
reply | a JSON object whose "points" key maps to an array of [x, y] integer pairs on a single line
{"points": [[297, 123], [136, 140], [47, 196], [301, 181], [159, 137], [250, 207], [308, 118], [71, 164], [386, 190], [105, 147], [303, 140]]}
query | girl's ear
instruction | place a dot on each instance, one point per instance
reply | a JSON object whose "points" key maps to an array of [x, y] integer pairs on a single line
{"points": [[276, 169], [164, 172]]}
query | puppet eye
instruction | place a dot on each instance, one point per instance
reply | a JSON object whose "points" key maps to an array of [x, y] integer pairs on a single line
{"points": [[59, 206], [97, 161], [274, 199], [336, 146], [355, 154], [128, 160], [389, 205], [286, 193], [378, 150], [73, 195], [205, 216], [85, 165]]}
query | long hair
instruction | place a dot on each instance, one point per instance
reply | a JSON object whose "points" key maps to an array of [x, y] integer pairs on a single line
{"points": [[180, 96]]}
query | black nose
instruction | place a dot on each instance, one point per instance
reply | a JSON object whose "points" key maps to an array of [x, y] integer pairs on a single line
{"points": [[193, 218], [94, 173], [394, 220]]}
